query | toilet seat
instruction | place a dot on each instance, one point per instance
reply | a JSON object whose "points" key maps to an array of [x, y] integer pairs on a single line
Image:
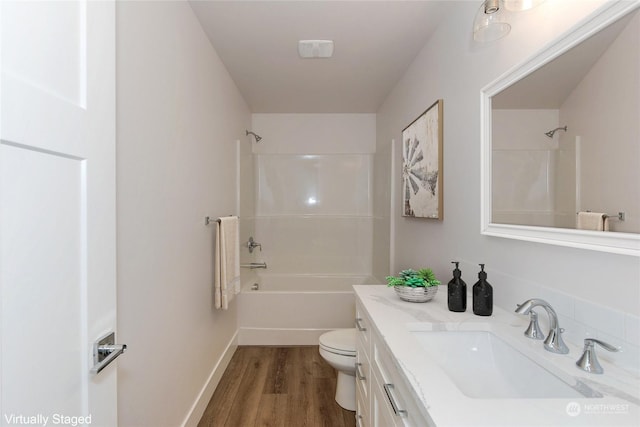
{"points": [[341, 341]]}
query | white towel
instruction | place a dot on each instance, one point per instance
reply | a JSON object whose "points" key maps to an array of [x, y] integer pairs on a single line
{"points": [[227, 261], [595, 221]]}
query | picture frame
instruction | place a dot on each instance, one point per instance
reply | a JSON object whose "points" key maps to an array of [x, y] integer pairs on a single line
{"points": [[422, 140]]}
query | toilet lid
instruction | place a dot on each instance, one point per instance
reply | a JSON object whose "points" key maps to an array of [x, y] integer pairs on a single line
{"points": [[341, 341]]}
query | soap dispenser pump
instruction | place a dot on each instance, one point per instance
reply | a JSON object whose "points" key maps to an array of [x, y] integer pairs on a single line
{"points": [[457, 291], [482, 295]]}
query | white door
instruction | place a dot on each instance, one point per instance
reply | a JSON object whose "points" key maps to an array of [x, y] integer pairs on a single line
{"points": [[57, 211]]}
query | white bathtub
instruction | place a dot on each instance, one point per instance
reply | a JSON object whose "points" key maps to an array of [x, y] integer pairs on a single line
{"points": [[293, 309]]}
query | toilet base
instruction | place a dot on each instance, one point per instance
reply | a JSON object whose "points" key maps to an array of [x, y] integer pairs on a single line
{"points": [[346, 390]]}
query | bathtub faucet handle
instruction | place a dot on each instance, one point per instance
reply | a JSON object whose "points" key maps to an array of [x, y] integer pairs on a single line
{"points": [[252, 244]]}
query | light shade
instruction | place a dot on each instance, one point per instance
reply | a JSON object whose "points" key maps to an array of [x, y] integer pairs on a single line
{"points": [[520, 5], [489, 23]]}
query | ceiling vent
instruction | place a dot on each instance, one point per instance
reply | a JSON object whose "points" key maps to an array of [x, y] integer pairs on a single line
{"points": [[315, 48]]}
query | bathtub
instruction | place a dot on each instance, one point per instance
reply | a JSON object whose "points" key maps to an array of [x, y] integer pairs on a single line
{"points": [[295, 309]]}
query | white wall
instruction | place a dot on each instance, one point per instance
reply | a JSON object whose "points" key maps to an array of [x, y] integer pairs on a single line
{"points": [[594, 292], [179, 116]]}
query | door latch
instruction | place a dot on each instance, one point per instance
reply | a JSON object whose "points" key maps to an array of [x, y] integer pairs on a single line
{"points": [[106, 351]]}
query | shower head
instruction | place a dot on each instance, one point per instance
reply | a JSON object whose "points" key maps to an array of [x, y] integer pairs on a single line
{"points": [[256, 136], [552, 132]]}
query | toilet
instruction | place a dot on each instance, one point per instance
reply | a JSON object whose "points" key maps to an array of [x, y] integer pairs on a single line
{"points": [[338, 348]]}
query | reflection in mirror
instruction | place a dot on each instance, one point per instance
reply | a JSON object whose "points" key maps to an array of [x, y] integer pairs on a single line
{"points": [[536, 175], [566, 138]]}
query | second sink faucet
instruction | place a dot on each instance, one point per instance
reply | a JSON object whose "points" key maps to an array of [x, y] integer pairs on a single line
{"points": [[553, 342]]}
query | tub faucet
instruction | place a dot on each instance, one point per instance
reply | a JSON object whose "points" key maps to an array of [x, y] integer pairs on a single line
{"points": [[252, 244], [554, 342]]}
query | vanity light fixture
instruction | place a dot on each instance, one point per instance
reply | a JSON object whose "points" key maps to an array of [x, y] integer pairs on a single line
{"points": [[521, 5], [490, 22]]}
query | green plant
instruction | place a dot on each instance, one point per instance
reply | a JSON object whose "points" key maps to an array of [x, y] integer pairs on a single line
{"points": [[422, 278]]}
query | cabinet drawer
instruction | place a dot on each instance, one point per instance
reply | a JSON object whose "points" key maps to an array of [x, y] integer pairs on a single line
{"points": [[382, 414], [398, 395], [363, 327]]}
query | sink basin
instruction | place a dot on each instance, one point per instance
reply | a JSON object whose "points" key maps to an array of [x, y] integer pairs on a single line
{"points": [[484, 366]]}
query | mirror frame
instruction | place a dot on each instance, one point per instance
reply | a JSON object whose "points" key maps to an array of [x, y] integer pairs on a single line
{"points": [[613, 242]]}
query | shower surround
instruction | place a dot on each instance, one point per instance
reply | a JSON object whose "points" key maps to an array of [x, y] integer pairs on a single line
{"points": [[313, 215], [532, 172]]}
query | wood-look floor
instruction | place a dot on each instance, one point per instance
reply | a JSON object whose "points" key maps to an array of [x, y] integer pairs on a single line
{"points": [[276, 386]]}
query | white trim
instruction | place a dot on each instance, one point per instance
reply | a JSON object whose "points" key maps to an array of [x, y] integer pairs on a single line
{"points": [[197, 409], [280, 336], [393, 212], [578, 160], [238, 174], [619, 243]]}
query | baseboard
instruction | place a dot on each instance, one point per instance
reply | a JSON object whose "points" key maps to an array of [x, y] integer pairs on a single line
{"points": [[199, 406], [279, 336]]}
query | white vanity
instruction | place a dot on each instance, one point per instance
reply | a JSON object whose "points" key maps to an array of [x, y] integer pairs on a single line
{"points": [[422, 365]]}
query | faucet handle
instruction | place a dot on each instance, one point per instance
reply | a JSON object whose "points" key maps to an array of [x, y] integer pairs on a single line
{"points": [[533, 331], [589, 361], [605, 345], [554, 342], [251, 244]]}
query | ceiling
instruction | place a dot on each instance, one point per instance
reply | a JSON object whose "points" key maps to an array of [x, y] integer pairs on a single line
{"points": [[375, 42], [549, 86]]}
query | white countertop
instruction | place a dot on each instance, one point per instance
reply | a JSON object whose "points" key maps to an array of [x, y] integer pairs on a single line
{"points": [[448, 406]]}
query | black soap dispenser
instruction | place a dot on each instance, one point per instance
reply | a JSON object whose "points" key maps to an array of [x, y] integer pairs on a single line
{"points": [[482, 295], [457, 291]]}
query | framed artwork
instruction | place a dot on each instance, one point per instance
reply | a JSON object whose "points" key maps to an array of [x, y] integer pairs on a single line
{"points": [[422, 165]]}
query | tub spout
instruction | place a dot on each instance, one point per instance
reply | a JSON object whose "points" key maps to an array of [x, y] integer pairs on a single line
{"points": [[253, 265]]}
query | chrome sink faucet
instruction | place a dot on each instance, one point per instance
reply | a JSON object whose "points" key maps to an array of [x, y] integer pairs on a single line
{"points": [[553, 342]]}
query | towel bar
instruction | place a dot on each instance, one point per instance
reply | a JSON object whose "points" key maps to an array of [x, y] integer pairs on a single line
{"points": [[619, 217], [208, 220]]}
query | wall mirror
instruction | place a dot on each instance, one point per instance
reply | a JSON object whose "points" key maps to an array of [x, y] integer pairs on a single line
{"points": [[561, 135]]}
